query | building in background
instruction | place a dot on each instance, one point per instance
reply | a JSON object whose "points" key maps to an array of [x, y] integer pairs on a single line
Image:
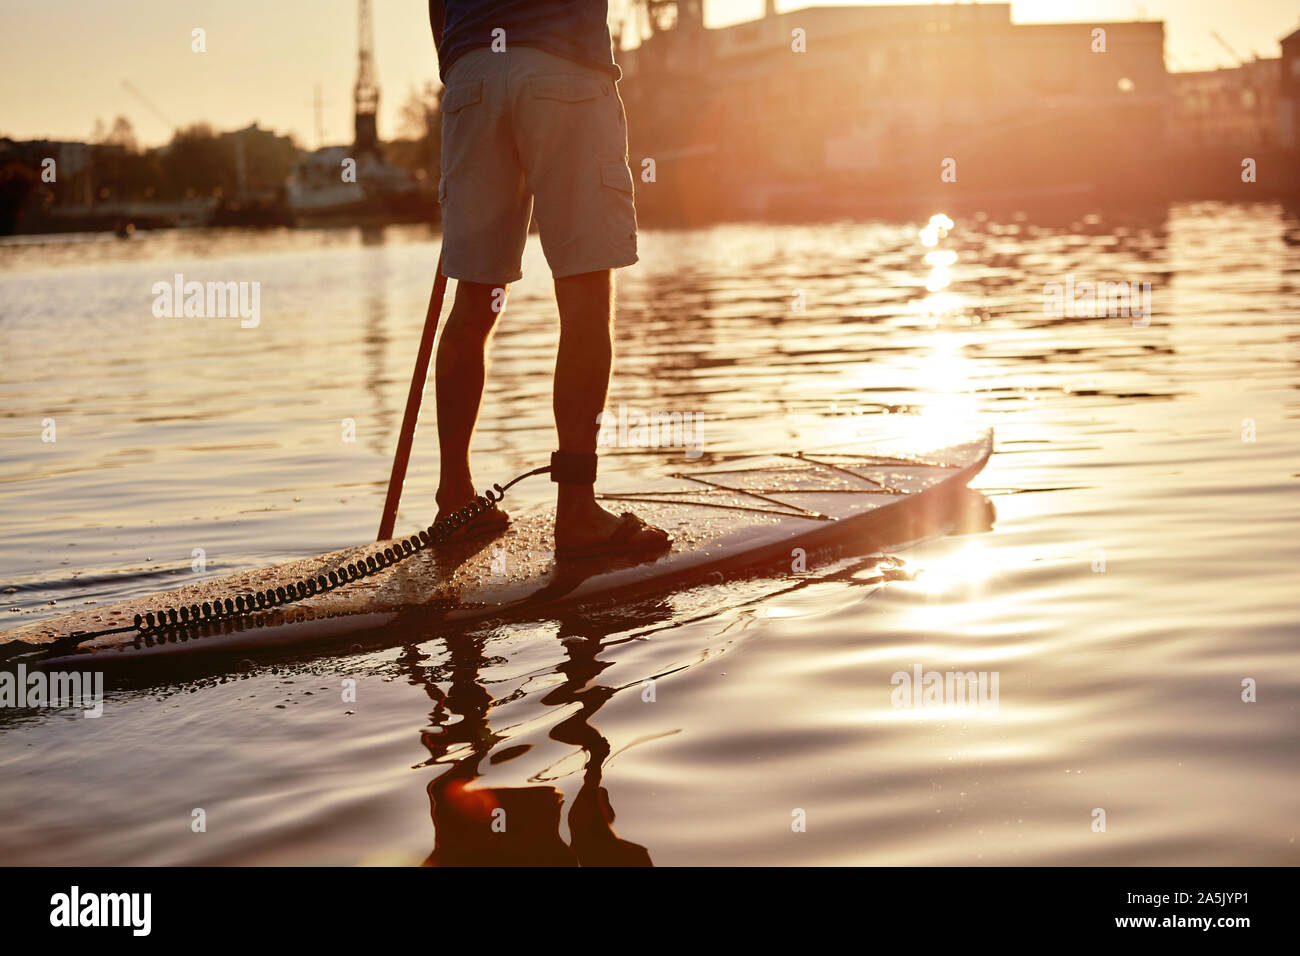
{"points": [[1236, 106], [736, 117], [358, 183], [733, 122], [1288, 121]]}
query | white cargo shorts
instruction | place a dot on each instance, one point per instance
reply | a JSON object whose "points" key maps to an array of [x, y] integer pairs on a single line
{"points": [[524, 131]]}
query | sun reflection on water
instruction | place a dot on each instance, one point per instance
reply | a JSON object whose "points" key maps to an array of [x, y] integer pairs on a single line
{"points": [[938, 303]]}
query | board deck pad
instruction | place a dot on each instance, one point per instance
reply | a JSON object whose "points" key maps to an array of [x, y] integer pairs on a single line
{"points": [[721, 515]]}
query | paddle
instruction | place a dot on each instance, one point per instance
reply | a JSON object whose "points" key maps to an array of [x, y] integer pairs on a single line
{"points": [[413, 399]]}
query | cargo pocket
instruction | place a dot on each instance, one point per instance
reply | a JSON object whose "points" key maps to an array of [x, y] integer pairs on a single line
{"points": [[572, 88], [620, 206], [458, 97], [616, 176]]}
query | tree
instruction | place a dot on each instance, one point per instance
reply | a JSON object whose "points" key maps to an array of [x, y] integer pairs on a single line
{"points": [[421, 121], [122, 133], [197, 163]]}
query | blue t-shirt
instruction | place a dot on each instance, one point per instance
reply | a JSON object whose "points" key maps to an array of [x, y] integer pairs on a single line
{"points": [[576, 30]]}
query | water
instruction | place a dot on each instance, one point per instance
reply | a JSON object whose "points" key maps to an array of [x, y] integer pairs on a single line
{"points": [[1140, 566]]}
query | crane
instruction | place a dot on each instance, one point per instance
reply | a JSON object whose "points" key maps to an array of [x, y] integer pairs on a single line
{"points": [[367, 89], [1224, 43], [130, 88]]}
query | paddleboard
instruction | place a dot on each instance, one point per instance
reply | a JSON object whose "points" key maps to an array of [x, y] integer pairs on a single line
{"points": [[725, 515]]}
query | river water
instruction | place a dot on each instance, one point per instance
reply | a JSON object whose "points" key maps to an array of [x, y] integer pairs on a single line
{"points": [[1136, 576]]}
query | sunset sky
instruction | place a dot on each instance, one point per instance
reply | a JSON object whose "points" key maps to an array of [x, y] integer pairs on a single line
{"points": [[65, 60]]}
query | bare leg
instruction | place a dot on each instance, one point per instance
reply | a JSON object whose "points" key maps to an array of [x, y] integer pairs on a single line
{"points": [[459, 373], [582, 371]]}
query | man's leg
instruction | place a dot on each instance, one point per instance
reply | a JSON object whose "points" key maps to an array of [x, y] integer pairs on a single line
{"points": [[486, 206], [459, 372], [571, 136], [582, 369]]}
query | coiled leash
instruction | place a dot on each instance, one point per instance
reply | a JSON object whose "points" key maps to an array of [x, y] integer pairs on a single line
{"points": [[565, 467], [256, 602]]}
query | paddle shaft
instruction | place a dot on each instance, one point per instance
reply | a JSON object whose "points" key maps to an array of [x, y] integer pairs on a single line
{"points": [[413, 398]]}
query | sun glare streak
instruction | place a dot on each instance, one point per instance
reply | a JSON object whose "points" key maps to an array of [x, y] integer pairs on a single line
{"points": [[779, 612], [971, 564], [939, 279], [953, 582], [938, 302], [935, 229], [945, 377]]}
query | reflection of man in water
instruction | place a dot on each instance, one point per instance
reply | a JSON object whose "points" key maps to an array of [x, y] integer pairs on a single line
{"points": [[519, 826], [529, 831]]}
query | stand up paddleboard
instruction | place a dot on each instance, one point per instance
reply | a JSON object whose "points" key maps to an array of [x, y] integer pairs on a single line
{"points": [[726, 515]]}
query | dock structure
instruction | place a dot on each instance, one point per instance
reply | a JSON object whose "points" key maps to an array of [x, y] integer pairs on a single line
{"points": [[860, 107]]}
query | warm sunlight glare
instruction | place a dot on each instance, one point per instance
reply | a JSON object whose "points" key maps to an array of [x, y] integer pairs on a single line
{"points": [[935, 229], [963, 572]]}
